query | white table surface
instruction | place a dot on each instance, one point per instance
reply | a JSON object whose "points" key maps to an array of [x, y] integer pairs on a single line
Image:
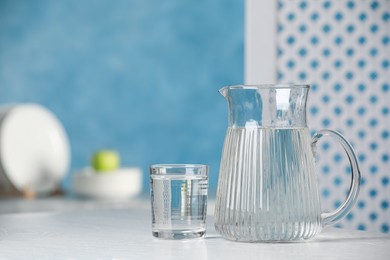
{"points": [[126, 234]]}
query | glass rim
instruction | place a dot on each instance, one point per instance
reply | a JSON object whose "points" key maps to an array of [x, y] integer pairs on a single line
{"points": [[181, 165], [266, 86], [179, 169]]}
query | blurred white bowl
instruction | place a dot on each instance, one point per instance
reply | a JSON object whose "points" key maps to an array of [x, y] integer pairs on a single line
{"points": [[123, 183], [34, 149]]}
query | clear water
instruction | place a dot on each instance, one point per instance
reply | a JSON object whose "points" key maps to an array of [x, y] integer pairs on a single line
{"points": [[179, 205], [267, 189]]}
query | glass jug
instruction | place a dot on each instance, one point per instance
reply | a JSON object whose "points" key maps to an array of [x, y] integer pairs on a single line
{"points": [[267, 187]]}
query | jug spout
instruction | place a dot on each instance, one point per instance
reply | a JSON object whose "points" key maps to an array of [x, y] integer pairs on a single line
{"points": [[223, 91]]}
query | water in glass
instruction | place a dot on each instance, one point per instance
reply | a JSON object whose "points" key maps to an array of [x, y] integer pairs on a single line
{"points": [[179, 204]]}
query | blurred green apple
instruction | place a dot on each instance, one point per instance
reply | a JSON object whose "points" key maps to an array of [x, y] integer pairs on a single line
{"points": [[105, 160]]}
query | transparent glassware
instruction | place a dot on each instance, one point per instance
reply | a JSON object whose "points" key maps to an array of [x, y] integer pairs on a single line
{"points": [[178, 200], [267, 186]]}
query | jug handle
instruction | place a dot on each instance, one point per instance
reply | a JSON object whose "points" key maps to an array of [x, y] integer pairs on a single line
{"points": [[345, 207]]}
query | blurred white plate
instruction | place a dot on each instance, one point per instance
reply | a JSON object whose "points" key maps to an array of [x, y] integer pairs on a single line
{"points": [[123, 183], [34, 148]]}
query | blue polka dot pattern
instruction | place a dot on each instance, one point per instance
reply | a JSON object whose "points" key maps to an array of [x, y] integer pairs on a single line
{"points": [[385, 228], [325, 193], [385, 181], [361, 227], [342, 48], [373, 216]]}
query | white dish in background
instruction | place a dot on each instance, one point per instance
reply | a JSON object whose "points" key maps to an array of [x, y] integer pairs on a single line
{"points": [[34, 149], [123, 183]]}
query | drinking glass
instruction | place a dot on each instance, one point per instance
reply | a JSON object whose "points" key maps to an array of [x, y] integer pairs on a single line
{"points": [[179, 200]]}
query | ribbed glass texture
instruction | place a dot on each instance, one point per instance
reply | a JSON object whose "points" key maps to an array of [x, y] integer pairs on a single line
{"points": [[267, 188]]}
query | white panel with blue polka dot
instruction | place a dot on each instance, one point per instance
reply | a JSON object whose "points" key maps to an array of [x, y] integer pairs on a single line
{"points": [[342, 48]]}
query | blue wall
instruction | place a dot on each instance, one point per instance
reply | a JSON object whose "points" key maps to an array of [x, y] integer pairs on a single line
{"points": [[137, 76]]}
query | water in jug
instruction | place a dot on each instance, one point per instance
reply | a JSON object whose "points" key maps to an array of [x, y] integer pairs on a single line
{"points": [[267, 186]]}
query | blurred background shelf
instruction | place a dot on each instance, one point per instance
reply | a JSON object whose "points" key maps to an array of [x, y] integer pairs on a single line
{"points": [[67, 203], [73, 203]]}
